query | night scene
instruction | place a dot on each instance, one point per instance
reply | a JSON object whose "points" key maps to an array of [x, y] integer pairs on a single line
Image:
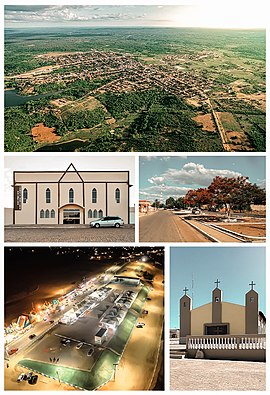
{"points": [[84, 318]]}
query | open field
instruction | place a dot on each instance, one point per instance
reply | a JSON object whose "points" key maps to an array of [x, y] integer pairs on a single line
{"points": [[137, 89]]}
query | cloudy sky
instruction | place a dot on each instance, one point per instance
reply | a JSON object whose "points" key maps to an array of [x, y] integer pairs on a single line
{"points": [[227, 14], [206, 265], [165, 176], [61, 162]]}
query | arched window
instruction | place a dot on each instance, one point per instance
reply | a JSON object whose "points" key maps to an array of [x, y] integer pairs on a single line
{"points": [[100, 214], [95, 214], [90, 214], [48, 195], [94, 195], [52, 213], [117, 195], [41, 214], [47, 214], [71, 196], [25, 195]]}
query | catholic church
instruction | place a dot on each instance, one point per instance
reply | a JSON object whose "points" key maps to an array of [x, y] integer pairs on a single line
{"points": [[70, 196], [221, 318]]}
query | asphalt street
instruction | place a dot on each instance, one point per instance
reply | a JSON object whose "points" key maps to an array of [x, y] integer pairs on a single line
{"points": [[164, 226]]}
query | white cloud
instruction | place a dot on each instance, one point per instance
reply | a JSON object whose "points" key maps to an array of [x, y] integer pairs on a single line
{"points": [[162, 192], [193, 174]]}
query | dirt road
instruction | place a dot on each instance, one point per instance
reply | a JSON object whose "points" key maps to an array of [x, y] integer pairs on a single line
{"points": [[164, 226]]}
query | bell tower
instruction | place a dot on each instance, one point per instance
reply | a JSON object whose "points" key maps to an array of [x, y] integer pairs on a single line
{"points": [[251, 309], [217, 304], [185, 314]]}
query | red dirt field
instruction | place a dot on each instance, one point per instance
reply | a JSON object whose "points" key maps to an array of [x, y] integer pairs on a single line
{"points": [[43, 134]]}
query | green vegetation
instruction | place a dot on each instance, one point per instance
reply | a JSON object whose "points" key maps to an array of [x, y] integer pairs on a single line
{"points": [[146, 119], [101, 372]]}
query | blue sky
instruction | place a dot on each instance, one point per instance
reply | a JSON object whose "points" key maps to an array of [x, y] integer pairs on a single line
{"points": [[235, 267], [205, 13], [165, 176]]}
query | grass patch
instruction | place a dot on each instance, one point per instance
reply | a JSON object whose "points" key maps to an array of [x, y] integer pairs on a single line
{"points": [[101, 372], [123, 333]]}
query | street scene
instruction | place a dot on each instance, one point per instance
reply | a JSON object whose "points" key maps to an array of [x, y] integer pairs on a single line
{"points": [[202, 199], [86, 338]]}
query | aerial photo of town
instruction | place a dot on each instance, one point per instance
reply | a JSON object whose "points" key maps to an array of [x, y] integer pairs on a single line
{"points": [[132, 78], [84, 318]]}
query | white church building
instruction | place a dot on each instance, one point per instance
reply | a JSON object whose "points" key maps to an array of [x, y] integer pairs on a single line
{"points": [[70, 196]]}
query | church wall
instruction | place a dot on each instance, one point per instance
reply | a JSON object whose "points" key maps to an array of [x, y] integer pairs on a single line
{"points": [[235, 315], [199, 317]]}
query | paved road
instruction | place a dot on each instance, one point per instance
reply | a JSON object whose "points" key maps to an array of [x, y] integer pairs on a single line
{"points": [[138, 368], [208, 375], [69, 234], [164, 226]]}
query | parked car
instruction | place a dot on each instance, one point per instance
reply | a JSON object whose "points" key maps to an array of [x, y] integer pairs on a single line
{"points": [[107, 222], [29, 375], [140, 324], [32, 336], [21, 377], [90, 352], [33, 380], [196, 210], [65, 342], [12, 351]]}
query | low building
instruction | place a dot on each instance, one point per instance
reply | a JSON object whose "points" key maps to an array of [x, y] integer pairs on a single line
{"points": [[101, 335], [69, 197]]}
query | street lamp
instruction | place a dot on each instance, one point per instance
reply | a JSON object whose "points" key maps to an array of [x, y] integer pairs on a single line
{"points": [[114, 370]]}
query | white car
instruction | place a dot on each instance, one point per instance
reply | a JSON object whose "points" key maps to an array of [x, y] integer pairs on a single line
{"points": [[79, 346], [107, 222]]}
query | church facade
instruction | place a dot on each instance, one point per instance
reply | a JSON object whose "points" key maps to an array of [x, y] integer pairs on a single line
{"points": [[70, 196], [221, 318]]}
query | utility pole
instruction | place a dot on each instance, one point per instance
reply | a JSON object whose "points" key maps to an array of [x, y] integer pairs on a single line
{"points": [[114, 370]]}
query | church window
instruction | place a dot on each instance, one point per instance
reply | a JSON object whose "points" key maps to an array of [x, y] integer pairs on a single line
{"points": [[117, 195], [52, 213], [95, 213], [100, 213], [90, 214], [47, 214], [48, 195], [94, 195], [41, 214], [71, 195], [216, 299], [252, 299], [25, 195]]}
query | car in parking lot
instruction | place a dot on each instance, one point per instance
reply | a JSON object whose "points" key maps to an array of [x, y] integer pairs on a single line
{"points": [[140, 324], [65, 342], [22, 377], [79, 346], [12, 351], [90, 352], [29, 375], [33, 380], [32, 336], [103, 222], [145, 311]]}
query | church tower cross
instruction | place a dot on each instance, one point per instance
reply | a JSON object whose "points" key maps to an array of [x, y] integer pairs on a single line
{"points": [[217, 282], [252, 284]]}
